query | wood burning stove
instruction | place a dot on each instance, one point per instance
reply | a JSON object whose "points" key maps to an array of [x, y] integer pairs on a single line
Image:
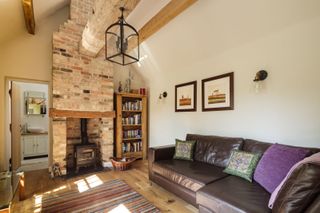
{"points": [[86, 152]]}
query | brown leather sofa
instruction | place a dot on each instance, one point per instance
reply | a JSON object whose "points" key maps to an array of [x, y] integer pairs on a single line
{"points": [[202, 182]]}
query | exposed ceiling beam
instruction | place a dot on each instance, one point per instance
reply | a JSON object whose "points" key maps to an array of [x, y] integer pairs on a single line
{"points": [[164, 16], [105, 14], [28, 12]]}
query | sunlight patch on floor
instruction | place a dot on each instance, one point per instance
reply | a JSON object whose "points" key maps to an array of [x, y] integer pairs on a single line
{"points": [[120, 209], [38, 198], [82, 185], [87, 183], [94, 181]]}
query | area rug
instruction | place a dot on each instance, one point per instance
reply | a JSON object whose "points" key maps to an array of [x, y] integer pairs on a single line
{"points": [[112, 196]]}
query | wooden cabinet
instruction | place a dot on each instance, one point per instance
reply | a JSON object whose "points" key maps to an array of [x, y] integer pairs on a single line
{"points": [[28, 146], [34, 145], [131, 125]]}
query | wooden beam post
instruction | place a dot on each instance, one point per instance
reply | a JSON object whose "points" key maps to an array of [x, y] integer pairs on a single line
{"points": [[28, 12]]}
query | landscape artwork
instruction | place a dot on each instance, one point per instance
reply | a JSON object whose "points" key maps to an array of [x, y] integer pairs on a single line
{"points": [[185, 97], [217, 93]]}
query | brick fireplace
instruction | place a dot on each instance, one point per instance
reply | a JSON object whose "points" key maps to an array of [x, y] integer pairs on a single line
{"points": [[82, 87]]}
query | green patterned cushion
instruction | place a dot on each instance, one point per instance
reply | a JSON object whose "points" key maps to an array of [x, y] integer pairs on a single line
{"points": [[242, 164], [184, 150]]}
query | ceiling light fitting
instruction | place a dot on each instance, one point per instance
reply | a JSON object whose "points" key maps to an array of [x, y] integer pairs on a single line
{"points": [[119, 37]]}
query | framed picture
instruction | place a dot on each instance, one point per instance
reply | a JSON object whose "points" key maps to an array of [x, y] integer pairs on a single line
{"points": [[186, 97], [217, 93]]}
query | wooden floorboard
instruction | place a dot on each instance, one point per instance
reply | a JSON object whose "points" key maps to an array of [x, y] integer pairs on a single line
{"points": [[39, 182]]}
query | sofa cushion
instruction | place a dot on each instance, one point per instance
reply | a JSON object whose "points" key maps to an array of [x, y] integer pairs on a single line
{"points": [[255, 146], [184, 150], [315, 206], [214, 150], [276, 163], [299, 190], [192, 175], [242, 164], [233, 194]]}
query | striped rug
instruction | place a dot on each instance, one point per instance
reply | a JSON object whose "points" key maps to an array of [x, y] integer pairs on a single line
{"points": [[113, 195]]}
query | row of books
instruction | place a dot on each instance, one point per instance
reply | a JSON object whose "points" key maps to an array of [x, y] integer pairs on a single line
{"points": [[132, 133], [135, 119], [132, 147], [132, 105]]}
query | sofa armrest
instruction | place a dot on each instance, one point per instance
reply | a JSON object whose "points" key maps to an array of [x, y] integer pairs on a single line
{"points": [[159, 153]]}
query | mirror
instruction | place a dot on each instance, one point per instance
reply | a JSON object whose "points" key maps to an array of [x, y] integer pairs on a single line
{"points": [[35, 103]]}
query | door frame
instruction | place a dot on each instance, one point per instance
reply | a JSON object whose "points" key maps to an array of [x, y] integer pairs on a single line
{"points": [[7, 137]]}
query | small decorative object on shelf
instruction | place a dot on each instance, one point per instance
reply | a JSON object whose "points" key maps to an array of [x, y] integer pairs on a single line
{"points": [[120, 87], [142, 91], [131, 125]]}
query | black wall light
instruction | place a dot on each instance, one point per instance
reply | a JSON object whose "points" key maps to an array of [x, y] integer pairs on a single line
{"points": [[261, 75], [163, 95], [118, 36]]}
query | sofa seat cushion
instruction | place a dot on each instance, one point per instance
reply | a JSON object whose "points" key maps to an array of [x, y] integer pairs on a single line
{"points": [[233, 194], [191, 175]]}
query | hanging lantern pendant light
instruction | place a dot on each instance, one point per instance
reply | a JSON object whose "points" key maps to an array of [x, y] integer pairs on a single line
{"points": [[118, 38]]}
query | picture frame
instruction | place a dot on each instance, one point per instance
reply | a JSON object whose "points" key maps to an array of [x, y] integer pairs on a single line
{"points": [[186, 97], [218, 92]]}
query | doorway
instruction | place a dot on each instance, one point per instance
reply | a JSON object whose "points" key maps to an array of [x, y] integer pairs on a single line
{"points": [[28, 121]]}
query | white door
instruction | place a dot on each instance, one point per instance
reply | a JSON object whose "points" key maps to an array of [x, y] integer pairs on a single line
{"points": [[15, 126], [29, 146]]}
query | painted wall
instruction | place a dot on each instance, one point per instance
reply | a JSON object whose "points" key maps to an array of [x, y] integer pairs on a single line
{"points": [[213, 37], [30, 57], [121, 74]]}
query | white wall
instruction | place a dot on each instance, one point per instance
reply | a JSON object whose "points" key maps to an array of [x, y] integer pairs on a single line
{"points": [[121, 73], [213, 37], [29, 57]]}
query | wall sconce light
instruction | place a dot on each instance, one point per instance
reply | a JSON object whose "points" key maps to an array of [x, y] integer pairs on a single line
{"points": [[163, 95], [260, 76]]}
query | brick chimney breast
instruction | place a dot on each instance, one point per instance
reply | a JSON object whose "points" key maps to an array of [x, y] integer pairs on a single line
{"points": [[79, 83]]}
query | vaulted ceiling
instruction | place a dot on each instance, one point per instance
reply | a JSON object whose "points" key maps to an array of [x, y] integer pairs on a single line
{"points": [[12, 19], [147, 16]]}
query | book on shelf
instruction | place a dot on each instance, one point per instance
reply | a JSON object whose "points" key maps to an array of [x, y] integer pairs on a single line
{"points": [[132, 133], [132, 147], [132, 120], [132, 105]]}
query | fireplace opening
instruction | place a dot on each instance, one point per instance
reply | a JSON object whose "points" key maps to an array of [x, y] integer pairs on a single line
{"points": [[83, 154]]}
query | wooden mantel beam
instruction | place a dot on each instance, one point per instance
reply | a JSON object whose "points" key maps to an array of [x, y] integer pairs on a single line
{"points": [[28, 12], [54, 113]]}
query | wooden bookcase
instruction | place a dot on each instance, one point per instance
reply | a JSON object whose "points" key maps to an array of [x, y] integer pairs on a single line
{"points": [[131, 125]]}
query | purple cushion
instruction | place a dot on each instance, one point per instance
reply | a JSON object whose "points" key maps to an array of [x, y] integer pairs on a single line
{"points": [[276, 163]]}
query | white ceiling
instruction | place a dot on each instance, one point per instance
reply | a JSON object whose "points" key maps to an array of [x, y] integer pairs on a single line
{"points": [[12, 20], [144, 11], [11, 15]]}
